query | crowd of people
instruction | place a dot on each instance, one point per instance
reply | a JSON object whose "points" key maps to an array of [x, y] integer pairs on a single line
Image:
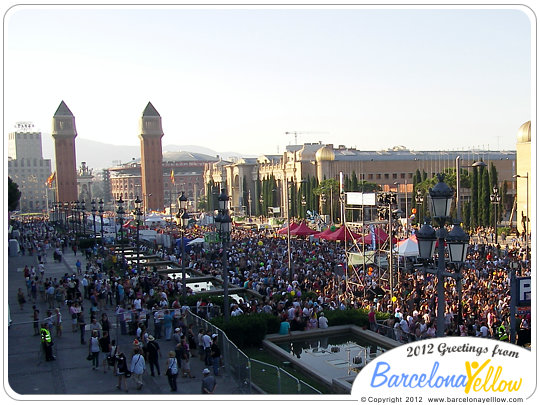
{"points": [[149, 307]]}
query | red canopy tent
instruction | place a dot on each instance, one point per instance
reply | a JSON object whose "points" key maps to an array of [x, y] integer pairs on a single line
{"points": [[380, 237], [303, 230], [325, 233], [340, 235], [283, 231]]}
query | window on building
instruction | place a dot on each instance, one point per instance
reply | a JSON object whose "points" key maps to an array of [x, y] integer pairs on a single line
{"points": [[378, 176], [386, 176], [402, 175]]}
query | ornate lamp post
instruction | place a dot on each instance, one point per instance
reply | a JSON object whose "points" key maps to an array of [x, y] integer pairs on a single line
{"points": [[224, 225], [101, 217], [78, 208], [495, 199], [458, 242], [303, 202], [138, 213], [120, 214], [419, 199], [66, 223], [94, 210], [73, 212], [83, 213], [526, 224], [183, 219]]}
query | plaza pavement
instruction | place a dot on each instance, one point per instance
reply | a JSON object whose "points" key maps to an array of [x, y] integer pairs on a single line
{"points": [[71, 373]]}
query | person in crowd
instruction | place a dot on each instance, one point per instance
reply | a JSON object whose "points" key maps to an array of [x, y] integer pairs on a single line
{"points": [[172, 370], [138, 366], [208, 382]]}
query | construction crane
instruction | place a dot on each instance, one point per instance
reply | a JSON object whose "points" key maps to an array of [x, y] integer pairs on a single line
{"points": [[296, 133]]}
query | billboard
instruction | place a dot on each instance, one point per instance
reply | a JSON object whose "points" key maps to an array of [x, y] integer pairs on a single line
{"points": [[356, 198], [523, 291]]}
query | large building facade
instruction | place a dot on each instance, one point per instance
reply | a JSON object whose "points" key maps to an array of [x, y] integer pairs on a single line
{"points": [[27, 168], [391, 169], [181, 172]]}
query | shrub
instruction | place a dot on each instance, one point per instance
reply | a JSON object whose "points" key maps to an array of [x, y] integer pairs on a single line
{"points": [[248, 329], [86, 243]]}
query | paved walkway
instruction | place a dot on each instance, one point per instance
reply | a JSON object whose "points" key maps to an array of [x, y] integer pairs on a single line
{"points": [[71, 373]]}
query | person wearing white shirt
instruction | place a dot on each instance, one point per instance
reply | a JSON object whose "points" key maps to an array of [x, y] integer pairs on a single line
{"points": [[323, 321]]}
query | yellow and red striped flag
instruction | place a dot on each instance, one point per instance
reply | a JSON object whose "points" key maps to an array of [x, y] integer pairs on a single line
{"points": [[50, 179], [172, 176]]}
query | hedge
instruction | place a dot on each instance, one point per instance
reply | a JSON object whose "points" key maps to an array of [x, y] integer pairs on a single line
{"points": [[248, 329]]}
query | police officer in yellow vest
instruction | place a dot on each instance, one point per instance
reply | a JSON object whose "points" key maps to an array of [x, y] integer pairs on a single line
{"points": [[503, 335], [46, 342]]}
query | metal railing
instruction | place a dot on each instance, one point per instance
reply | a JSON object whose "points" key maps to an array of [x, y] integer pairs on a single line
{"points": [[397, 335], [274, 380], [236, 363]]}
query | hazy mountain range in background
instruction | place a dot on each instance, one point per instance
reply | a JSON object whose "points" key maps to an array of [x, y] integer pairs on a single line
{"points": [[99, 155]]}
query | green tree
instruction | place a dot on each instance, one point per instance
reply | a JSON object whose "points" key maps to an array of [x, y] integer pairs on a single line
{"points": [[14, 195], [474, 222], [467, 215], [486, 202], [330, 188], [354, 182], [504, 201]]}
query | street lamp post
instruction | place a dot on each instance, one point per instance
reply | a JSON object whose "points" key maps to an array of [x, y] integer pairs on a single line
{"points": [[495, 199], [120, 213], [138, 214], [94, 210], [83, 212], [249, 203], [183, 219], [419, 199], [457, 240], [526, 224], [101, 217], [514, 265], [224, 225], [73, 220]]}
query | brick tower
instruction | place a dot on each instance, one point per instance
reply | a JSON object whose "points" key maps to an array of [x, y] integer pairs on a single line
{"points": [[151, 159], [64, 133]]}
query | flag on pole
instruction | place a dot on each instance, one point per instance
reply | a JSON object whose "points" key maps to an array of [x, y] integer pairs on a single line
{"points": [[50, 179], [172, 176]]}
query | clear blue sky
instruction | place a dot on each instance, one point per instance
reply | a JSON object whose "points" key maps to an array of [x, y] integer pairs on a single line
{"points": [[238, 79]]}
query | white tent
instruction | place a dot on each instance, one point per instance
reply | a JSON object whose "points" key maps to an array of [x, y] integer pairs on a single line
{"points": [[154, 220], [195, 241], [408, 247]]}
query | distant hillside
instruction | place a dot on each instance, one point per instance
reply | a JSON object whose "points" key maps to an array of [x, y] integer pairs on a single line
{"points": [[99, 155]]}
